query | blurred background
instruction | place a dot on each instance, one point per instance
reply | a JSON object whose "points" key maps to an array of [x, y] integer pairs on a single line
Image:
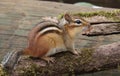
{"points": [[92, 3]]}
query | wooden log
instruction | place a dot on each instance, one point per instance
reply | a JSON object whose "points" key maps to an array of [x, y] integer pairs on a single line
{"points": [[105, 29], [90, 60]]}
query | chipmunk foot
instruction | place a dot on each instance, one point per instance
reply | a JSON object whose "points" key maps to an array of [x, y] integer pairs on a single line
{"points": [[48, 59], [75, 52]]}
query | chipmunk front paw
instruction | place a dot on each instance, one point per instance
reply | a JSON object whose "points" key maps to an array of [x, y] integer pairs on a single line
{"points": [[75, 52]]}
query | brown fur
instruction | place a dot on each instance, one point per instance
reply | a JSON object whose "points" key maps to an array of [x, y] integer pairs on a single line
{"points": [[39, 46]]}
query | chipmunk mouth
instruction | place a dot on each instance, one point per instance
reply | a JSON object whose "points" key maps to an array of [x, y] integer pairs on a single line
{"points": [[86, 30]]}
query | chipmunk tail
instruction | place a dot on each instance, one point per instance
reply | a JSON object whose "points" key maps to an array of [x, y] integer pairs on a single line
{"points": [[11, 58]]}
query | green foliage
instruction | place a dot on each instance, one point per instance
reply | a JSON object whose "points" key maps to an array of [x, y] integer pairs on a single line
{"points": [[99, 13], [114, 14]]}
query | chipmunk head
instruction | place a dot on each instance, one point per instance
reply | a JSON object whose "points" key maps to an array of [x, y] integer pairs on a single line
{"points": [[75, 24]]}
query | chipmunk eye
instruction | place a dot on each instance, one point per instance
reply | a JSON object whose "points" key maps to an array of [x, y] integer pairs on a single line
{"points": [[78, 21]]}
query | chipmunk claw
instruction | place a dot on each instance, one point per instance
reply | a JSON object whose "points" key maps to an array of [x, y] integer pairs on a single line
{"points": [[75, 52], [49, 59]]}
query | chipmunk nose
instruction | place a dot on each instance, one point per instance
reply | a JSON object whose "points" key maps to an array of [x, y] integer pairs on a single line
{"points": [[86, 30]]}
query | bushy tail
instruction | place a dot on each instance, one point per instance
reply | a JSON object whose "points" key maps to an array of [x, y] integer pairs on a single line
{"points": [[10, 59]]}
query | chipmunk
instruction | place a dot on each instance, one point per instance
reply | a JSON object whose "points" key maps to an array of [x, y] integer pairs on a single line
{"points": [[49, 37]]}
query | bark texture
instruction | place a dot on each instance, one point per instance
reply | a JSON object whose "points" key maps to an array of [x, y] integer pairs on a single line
{"points": [[90, 60]]}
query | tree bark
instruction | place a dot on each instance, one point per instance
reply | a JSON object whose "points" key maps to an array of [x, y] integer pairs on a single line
{"points": [[90, 60], [105, 29]]}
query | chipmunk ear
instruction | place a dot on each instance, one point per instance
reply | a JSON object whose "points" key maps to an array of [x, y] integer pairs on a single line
{"points": [[68, 17]]}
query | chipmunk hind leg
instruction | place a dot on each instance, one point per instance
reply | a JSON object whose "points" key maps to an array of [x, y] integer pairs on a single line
{"points": [[48, 59], [44, 48], [56, 45]]}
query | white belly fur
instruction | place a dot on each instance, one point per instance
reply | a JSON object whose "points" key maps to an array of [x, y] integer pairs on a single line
{"points": [[56, 50]]}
